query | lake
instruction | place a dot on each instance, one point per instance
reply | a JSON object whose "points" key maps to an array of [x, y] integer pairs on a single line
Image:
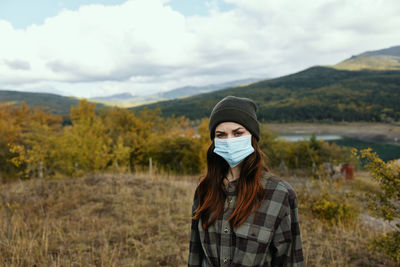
{"points": [[386, 151], [301, 137]]}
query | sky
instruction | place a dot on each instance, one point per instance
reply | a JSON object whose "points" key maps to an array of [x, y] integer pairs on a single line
{"points": [[88, 48]]}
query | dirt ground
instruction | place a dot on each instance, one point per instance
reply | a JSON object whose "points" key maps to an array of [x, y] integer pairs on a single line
{"points": [[360, 130]]}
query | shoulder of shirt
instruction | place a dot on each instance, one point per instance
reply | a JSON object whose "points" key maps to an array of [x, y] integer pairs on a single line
{"points": [[271, 182]]}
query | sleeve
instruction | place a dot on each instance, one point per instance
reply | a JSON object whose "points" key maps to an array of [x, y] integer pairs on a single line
{"points": [[195, 249], [286, 244]]}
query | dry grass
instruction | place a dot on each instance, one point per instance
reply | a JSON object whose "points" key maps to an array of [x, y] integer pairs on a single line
{"points": [[96, 221], [341, 245], [125, 220]]}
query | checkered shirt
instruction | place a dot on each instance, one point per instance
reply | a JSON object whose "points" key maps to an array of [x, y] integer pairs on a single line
{"points": [[270, 236]]}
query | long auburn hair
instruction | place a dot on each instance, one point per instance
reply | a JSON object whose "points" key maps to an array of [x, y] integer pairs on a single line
{"points": [[211, 194]]}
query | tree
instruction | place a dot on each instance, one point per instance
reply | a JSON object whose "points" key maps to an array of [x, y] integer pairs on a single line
{"points": [[178, 154], [128, 134], [33, 147], [204, 140], [10, 133], [85, 145]]}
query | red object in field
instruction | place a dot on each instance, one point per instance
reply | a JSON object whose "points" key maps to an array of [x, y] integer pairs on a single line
{"points": [[348, 170]]}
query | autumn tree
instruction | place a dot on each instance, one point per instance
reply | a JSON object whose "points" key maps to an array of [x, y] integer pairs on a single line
{"points": [[122, 128], [32, 148], [10, 133], [84, 146], [178, 154], [175, 147], [204, 140]]}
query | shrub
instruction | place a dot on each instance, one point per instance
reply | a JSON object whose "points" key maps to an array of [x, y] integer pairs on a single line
{"points": [[389, 244], [332, 203], [385, 203], [333, 209]]}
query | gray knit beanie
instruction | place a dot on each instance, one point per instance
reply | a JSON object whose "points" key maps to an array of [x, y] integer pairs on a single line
{"points": [[235, 109]]}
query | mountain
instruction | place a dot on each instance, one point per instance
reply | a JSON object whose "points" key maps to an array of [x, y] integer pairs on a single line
{"points": [[384, 59], [315, 94], [129, 100], [391, 51], [195, 90], [55, 103], [115, 97]]}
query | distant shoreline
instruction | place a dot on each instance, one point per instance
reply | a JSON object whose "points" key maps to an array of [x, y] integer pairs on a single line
{"points": [[377, 132]]}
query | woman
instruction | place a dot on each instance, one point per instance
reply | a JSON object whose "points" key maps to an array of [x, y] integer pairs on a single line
{"points": [[242, 215]]}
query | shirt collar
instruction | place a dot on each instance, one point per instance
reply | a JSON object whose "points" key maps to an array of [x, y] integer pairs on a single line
{"points": [[232, 187]]}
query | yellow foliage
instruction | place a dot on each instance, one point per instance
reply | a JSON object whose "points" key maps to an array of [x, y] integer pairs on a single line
{"points": [[386, 202]]}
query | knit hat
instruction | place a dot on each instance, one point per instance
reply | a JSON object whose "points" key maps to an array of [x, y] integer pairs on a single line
{"points": [[235, 109]]}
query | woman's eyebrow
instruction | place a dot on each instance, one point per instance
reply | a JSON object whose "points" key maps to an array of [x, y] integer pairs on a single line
{"points": [[237, 129]]}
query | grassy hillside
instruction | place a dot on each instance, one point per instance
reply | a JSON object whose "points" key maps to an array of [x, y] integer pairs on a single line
{"points": [[379, 62], [125, 220], [384, 59], [55, 103], [315, 94]]}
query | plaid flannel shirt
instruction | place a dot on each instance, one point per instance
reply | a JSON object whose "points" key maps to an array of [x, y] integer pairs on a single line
{"points": [[270, 236]]}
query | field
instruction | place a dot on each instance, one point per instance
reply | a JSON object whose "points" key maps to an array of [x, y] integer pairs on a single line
{"points": [[142, 220]]}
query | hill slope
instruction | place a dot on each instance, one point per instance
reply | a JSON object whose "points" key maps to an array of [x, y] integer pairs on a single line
{"points": [[56, 103], [315, 94], [384, 59]]}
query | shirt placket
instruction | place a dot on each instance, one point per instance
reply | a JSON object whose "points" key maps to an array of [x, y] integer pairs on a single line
{"points": [[226, 231]]}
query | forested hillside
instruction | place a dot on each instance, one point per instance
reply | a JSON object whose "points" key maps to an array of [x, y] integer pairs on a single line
{"points": [[55, 103], [315, 94]]}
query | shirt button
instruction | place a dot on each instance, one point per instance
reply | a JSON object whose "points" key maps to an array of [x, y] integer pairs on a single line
{"points": [[225, 260], [226, 230]]}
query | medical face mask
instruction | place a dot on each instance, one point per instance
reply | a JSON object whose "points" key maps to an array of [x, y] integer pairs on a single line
{"points": [[233, 150]]}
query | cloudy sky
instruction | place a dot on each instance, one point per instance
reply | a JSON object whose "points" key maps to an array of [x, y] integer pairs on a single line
{"points": [[99, 47]]}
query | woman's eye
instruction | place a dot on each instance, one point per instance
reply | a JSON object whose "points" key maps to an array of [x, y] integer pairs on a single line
{"points": [[238, 133]]}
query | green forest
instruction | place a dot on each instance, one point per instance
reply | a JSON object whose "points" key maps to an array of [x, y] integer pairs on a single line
{"points": [[313, 95]]}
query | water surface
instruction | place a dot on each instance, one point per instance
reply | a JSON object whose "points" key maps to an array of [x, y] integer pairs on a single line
{"points": [[387, 151]]}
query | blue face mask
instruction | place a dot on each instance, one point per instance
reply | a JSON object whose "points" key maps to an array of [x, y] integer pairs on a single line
{"points": [[233, 150]]}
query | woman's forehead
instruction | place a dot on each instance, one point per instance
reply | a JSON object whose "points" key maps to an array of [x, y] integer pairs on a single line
{"points": [[228, 126]]}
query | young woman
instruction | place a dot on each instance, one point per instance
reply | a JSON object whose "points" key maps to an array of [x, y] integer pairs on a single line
{"points": [[242, 214]]}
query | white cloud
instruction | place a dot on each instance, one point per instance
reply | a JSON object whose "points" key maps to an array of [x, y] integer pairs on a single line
{"points": [[17, 64], [144, 45], [97, 43]]}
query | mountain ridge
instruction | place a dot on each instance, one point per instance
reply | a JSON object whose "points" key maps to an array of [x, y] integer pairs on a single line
{"points": [[383, 59], [391, 51], [126, 99]]}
